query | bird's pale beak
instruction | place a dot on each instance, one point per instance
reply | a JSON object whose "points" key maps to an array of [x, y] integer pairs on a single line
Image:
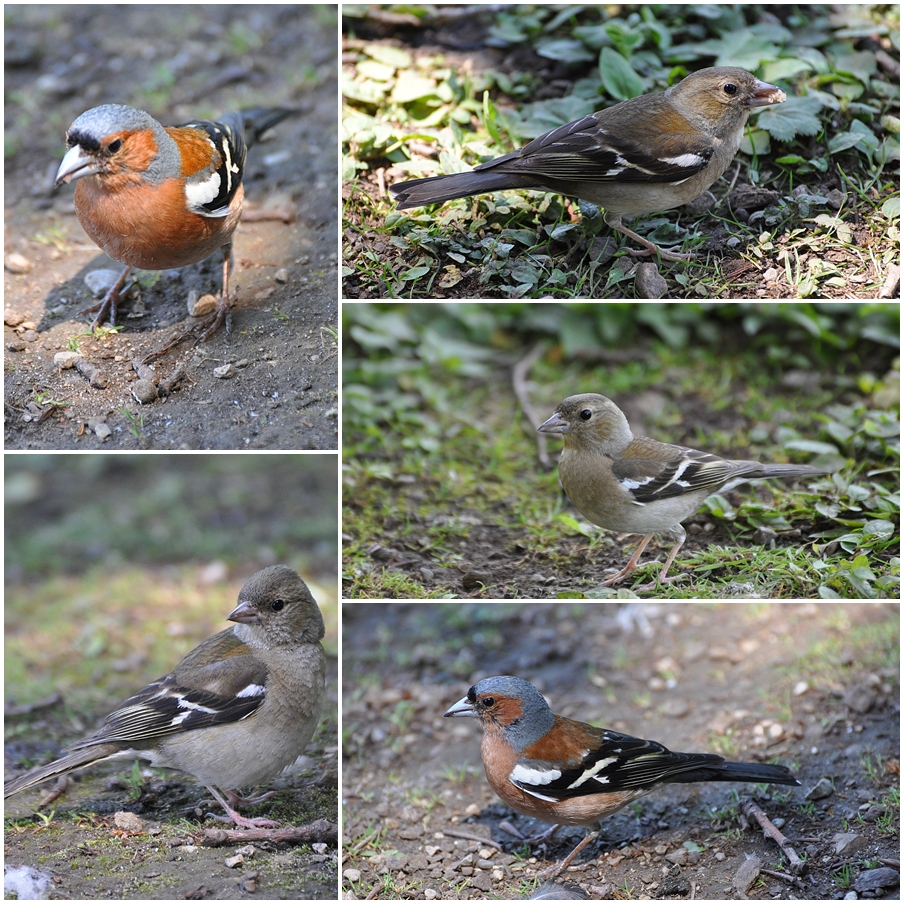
{"points": [[555, 425], [462, 708], [245, 613], [75, 165], [766, 95]]}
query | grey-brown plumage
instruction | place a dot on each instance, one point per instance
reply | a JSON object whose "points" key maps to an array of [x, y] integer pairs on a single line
{"points": [[637, 485], [235, 711], [646, 154]]}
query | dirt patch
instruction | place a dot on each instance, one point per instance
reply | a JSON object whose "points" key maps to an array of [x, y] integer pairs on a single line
{"points": [[813, 686], [496, 562], [179, 63]]}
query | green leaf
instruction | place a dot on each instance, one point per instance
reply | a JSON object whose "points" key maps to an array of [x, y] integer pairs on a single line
{"points": [[878, 528], [390, 56], [377, 71], [811, 445], [785, 69], [411, 87], [755, 141], [796, 116], [540, 117], [746, 47], [842, 141], [860, 65], [564, 50], [414, 273], [617, 76]]}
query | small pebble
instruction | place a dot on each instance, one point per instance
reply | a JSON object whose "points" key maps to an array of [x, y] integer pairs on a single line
{"points": [[144, 391], [99, 282], [199, 307], [64, 360], [18, 263]]}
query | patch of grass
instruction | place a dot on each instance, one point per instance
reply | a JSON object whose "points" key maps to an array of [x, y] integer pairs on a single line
{"points": [[844, 877], [833, 659], [458, 774]]}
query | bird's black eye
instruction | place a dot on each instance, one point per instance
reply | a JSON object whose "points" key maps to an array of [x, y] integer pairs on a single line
{"points": [[586, 414], [730, 88], [114, 145], [487, 702], [277, 605]]}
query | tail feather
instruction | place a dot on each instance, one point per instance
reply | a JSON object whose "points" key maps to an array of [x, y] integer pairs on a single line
{"points": [[260, 119], [738, 772], [435, 189], [58, 767]]}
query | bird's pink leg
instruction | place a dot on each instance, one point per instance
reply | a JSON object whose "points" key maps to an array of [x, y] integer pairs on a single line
{"points": [[232, 816], [632, 564]]}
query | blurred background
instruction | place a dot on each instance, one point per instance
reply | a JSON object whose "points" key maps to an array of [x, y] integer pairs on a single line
{"points": [[116, 565]]}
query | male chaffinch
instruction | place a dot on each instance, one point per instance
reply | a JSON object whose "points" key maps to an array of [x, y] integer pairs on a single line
{"points": [[236, 710], [636, 485], [650, 153], [159, 198], [566, 772]]}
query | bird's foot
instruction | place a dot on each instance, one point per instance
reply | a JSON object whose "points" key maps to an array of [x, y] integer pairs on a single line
{"points": [[223, 315], [554, 871], [108, 304], [232, 816], [618, 577], [244, 822], [664, 253], [659, 581], [236, 801]]}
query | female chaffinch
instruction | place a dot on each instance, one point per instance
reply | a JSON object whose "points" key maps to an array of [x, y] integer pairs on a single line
{"points": [[157, 198], [236, 710], [566, 772], [636, 485], [650, 153]]}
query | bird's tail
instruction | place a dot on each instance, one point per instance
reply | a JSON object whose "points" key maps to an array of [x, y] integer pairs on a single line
{"points": [[258, 120], [65, 764], [760, 773], [433, 190], [770, 470]]}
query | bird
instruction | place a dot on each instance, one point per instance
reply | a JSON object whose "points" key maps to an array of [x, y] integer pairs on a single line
{"points": [[646, 154], [637, 485], [567, 772], [160, 198], [235, 711]]}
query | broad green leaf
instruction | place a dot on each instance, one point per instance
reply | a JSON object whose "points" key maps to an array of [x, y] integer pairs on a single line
{"points": [[796, 116], [411, 87], [617, 76]]}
